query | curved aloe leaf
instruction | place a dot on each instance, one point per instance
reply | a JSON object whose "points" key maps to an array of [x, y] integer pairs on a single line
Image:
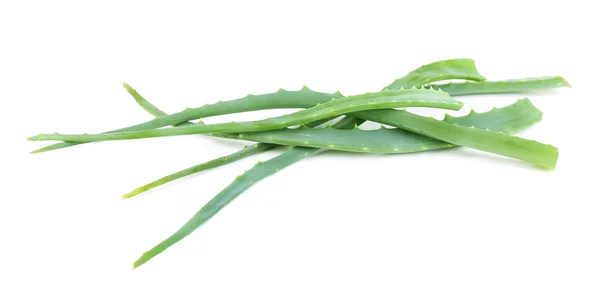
{"points": [[460, 68], [504, 86], [379, 141], [260, 171], [542, 155], [245, 152], [368, 101], [508, 119], [239, 185]]}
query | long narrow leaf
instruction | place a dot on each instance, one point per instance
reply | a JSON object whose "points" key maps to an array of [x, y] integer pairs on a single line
{"points": [[402, 98]]}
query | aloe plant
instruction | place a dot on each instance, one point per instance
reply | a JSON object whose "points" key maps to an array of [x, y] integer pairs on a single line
{"points": [[489, 131], [509, 119]]}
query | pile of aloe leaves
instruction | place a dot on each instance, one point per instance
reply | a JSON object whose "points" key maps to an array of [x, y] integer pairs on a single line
{"points": [[330, 121]]}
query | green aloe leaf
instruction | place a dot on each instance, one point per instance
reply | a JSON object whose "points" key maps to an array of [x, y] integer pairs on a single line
{"points": [[503, 86], [394, 141], [368, 101], [460, 68], [542, 155], [241, 183], [245, 152]]}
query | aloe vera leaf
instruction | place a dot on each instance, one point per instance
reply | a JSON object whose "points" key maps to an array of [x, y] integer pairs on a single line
{"points": [[241, 183], [460, 68], [503, 86], [368, 101], [245, 152], [379, 141], [508, 119], [156, 112], [542, 155]]}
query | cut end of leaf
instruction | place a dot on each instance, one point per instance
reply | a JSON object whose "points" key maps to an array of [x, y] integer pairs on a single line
{"points": [[132, 193], [127, 86], [563, 81], [38, 151], [140, 262], [550, 163]]}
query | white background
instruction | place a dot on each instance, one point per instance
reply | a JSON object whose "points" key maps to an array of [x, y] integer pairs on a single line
{"points": [[449, 219]]}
